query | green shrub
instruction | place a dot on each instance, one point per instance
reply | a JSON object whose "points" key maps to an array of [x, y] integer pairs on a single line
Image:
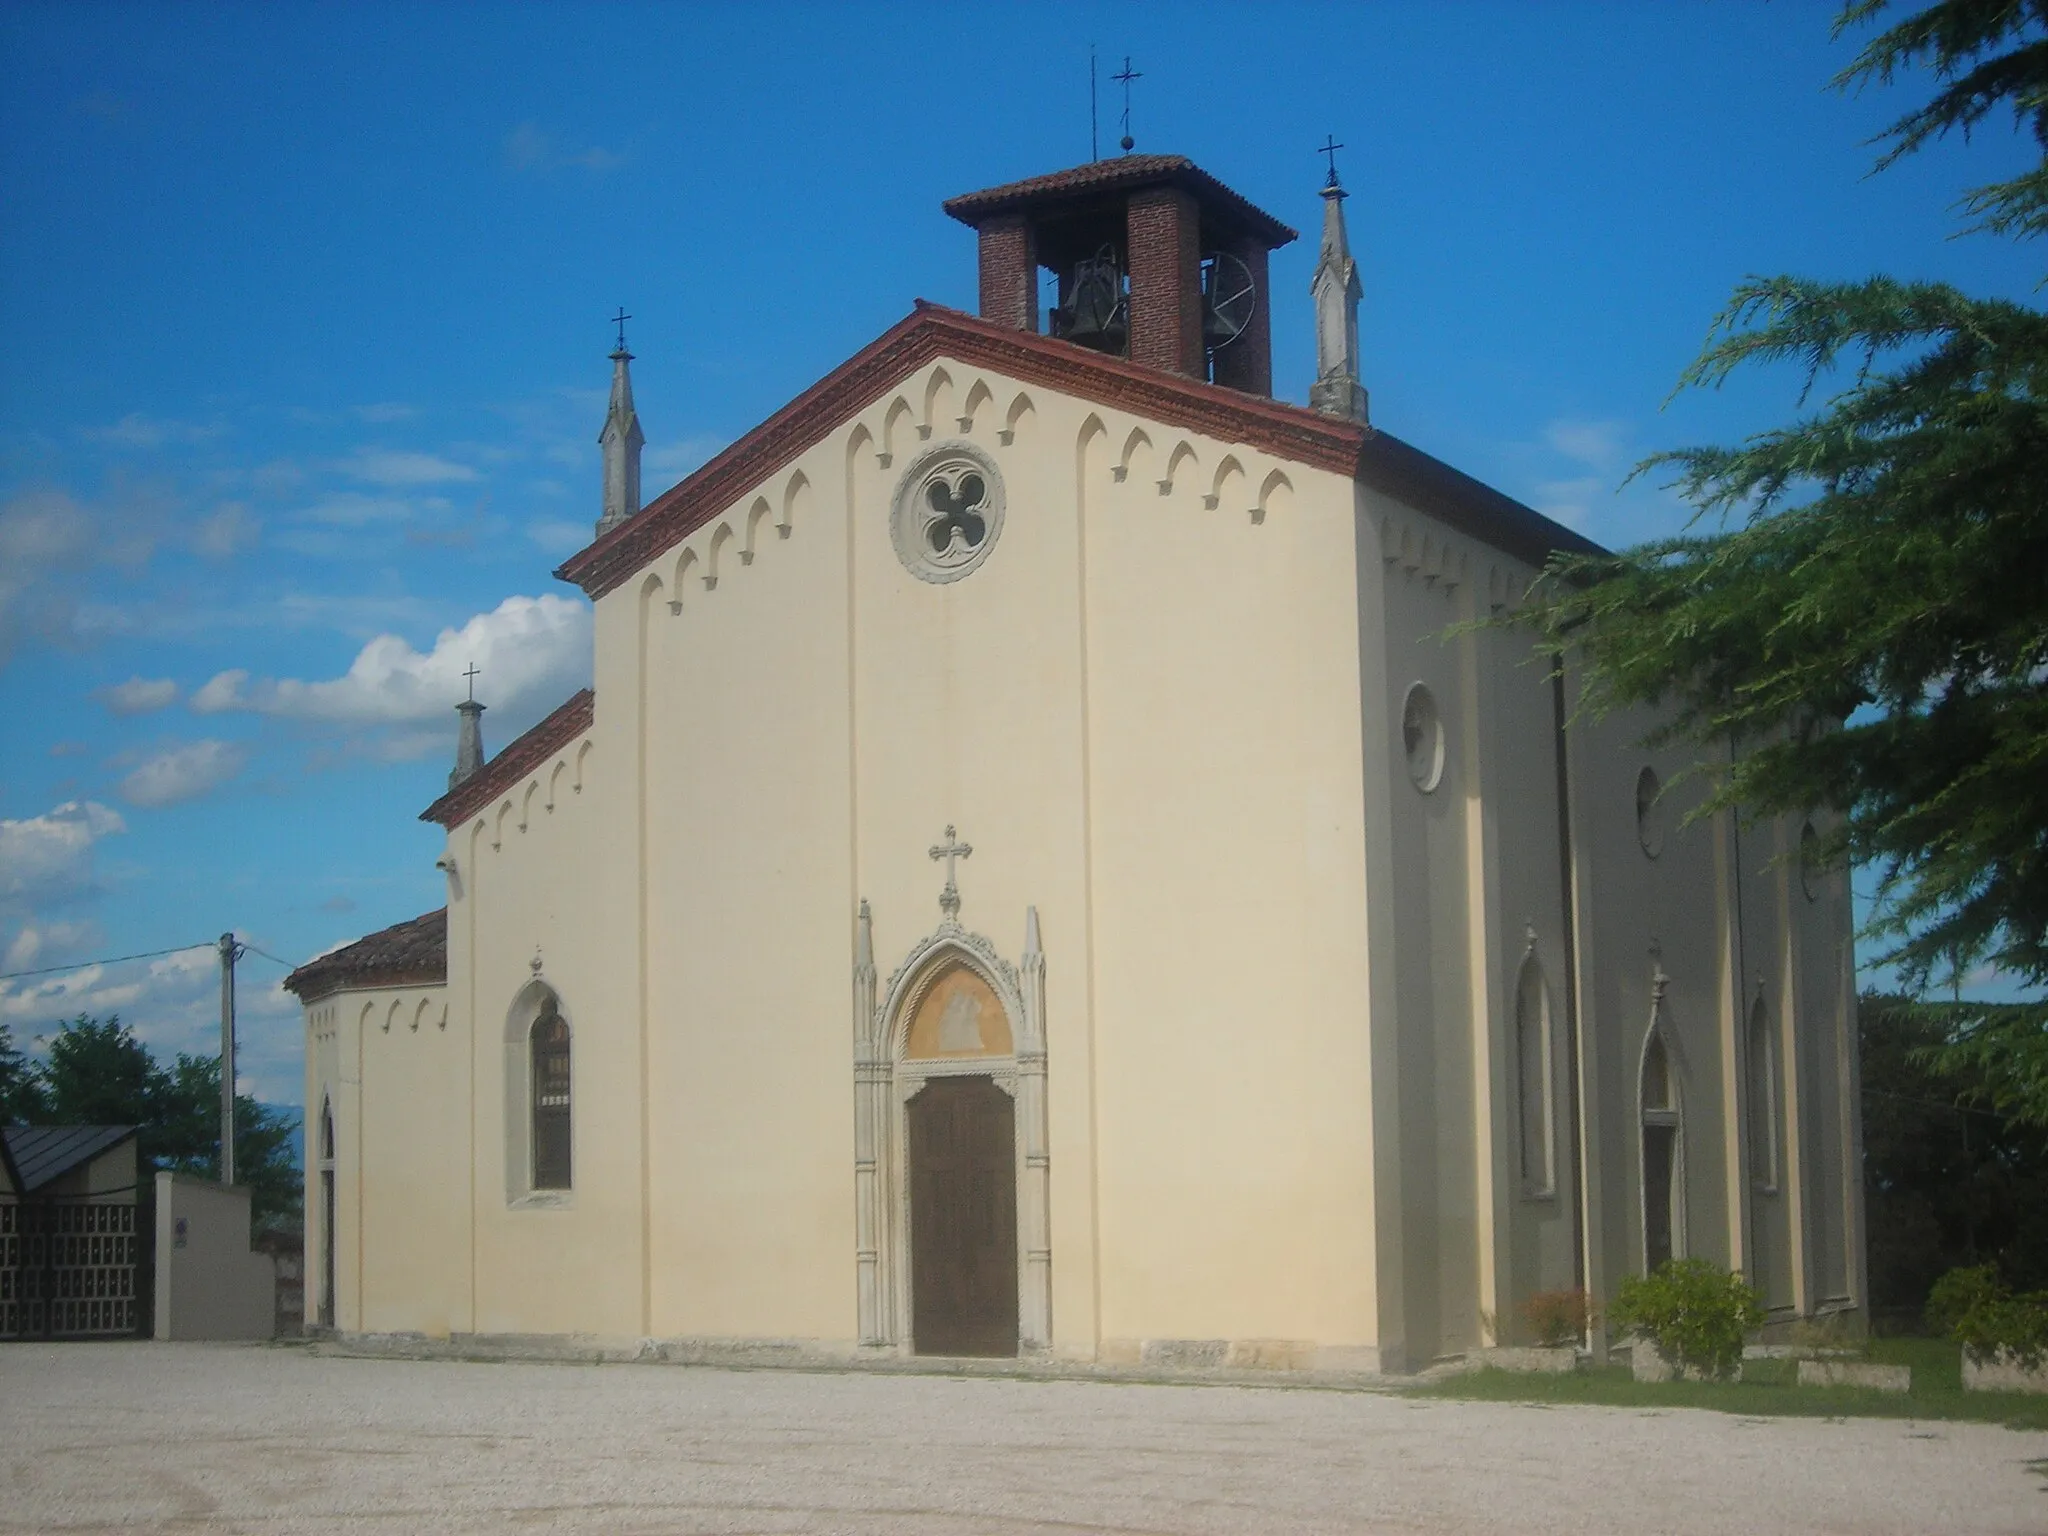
{"points": [[1557, 1318], [1696, 1313], [1959, 1293], [1976, 1309]]}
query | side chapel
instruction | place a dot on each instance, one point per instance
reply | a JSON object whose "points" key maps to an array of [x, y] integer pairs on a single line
{"points": [[1038, 873]]}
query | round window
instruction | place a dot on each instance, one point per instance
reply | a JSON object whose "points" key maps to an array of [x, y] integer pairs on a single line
{"points": [[1649, 814], [948, 512], [1422, 738]]}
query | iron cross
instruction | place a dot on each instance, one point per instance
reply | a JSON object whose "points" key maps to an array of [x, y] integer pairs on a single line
{"points": [[620, 320], [472, 674], [952, 848], [1125, 78], [1330, 148]]}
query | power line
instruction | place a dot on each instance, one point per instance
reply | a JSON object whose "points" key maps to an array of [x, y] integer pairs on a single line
{"points": [[79, 965], [266, 954]]}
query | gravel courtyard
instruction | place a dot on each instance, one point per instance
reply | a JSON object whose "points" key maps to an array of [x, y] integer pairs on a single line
{"points": [[251, 1439]]}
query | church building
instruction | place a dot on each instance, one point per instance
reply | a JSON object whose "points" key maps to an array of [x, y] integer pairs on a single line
{"points": [[1046, 867]]}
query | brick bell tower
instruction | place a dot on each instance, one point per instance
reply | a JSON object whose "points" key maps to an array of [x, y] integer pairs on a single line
{"points": [[1157, 261]]}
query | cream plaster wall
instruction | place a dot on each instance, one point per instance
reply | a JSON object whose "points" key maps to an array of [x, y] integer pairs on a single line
{"points": [[1280, 981]]}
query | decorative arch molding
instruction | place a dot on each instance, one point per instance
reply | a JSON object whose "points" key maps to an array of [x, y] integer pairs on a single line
{"points": [[886, 1077]]}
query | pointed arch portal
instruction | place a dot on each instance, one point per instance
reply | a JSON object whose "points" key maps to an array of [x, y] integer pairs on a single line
{"points": [[950, 1165]]}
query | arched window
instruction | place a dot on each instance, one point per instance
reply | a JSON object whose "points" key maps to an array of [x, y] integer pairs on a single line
{"points": [[549, 1040], [1663, 1158], [324, 1302], [1533, 1071], [1763, 1100]]}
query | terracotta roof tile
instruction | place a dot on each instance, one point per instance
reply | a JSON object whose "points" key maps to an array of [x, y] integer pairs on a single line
{"points": [[1121, 174], [521, 756], [408, 954]]}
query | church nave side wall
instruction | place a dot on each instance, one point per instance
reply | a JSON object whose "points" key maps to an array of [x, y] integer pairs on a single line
{"points": [[541, 894]]}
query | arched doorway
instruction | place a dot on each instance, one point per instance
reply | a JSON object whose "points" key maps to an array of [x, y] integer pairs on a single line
{"points": [[963, 1217], [951, 1167]]}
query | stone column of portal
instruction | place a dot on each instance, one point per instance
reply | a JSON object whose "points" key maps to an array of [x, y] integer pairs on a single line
{"points": [[1034, 1311], [870, 1107]]}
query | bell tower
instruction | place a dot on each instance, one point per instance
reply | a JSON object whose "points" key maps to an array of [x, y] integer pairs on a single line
{"points": [[1156, 260]]}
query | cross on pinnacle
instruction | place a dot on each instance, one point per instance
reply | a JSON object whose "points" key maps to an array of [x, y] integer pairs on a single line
{"points": [[1129, 74], [1330, 148], [472, 674], [620, 320], [952, 848]]}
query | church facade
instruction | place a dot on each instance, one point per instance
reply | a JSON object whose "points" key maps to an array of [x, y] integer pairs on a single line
{"points": [[1040, 871]]}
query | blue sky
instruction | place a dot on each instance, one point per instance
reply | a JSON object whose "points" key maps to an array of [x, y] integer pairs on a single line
{"points": [[303, 333]]}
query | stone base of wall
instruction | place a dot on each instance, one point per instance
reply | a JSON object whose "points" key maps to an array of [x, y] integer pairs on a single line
{"points": [[1528, 1359], [1268, 1361], [2004, 1374], [1854, 1373]]}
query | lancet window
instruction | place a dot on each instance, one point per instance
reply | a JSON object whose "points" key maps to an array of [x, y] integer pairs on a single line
{"points": [[549, 1041]]}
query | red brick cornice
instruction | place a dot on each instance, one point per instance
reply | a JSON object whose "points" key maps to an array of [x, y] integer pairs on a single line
{"points": [[932, 331], [521, 756]]}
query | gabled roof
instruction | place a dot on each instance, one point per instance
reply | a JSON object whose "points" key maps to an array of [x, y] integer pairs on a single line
{"points": [[1125, 173], [932, 331], [42, 1154], [522, 755], [413, 953]]}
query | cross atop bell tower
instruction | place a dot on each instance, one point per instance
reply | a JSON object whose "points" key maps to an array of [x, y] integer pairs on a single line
{"points": [[621, 440]]}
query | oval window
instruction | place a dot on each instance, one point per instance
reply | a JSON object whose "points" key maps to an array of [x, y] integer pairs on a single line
{"points": [[1649, 814], [1422, 738]]}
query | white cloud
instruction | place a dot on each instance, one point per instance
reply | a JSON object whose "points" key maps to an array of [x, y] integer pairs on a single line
{"points": [[136, 430], [138, 696], [221, 692], [527, 148], [383, 411], [354, 509], [182, 773], [680, 457], [532, 652], [390, 467], [1571, 501], [46, 943], [1597, 444], [228, 529], [558, 536], [49, 857]]}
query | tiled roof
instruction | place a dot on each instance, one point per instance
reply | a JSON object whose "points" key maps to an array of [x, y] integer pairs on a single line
{"points": [[411, 953], [42, 1154], [932, 331], [520, 757], [1123, 174]]}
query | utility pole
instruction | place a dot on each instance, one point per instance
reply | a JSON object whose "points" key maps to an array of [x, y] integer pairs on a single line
{"points": [[229, 952]]}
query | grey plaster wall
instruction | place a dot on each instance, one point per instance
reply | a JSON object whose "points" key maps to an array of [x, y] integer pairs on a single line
{"points": [[209, 1285]]}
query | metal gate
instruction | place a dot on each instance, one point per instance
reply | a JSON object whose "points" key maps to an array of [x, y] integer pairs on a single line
{"points": [[68, 1269]]}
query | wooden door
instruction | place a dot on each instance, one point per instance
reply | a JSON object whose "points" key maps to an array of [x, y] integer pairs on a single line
{"points": [[963, 1218]]}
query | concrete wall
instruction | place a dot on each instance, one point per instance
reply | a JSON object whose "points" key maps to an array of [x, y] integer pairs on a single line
{"points": [[209, 1285]]}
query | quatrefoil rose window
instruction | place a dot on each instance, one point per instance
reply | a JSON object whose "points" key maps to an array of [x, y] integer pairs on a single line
{"points": [[948, 511]]}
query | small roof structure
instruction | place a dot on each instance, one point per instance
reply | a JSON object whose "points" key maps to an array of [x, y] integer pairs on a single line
{"points": [[408, 954], [42, 1154]]}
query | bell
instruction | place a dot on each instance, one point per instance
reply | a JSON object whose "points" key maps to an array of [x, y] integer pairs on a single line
{"points": [[1093, 315]]}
